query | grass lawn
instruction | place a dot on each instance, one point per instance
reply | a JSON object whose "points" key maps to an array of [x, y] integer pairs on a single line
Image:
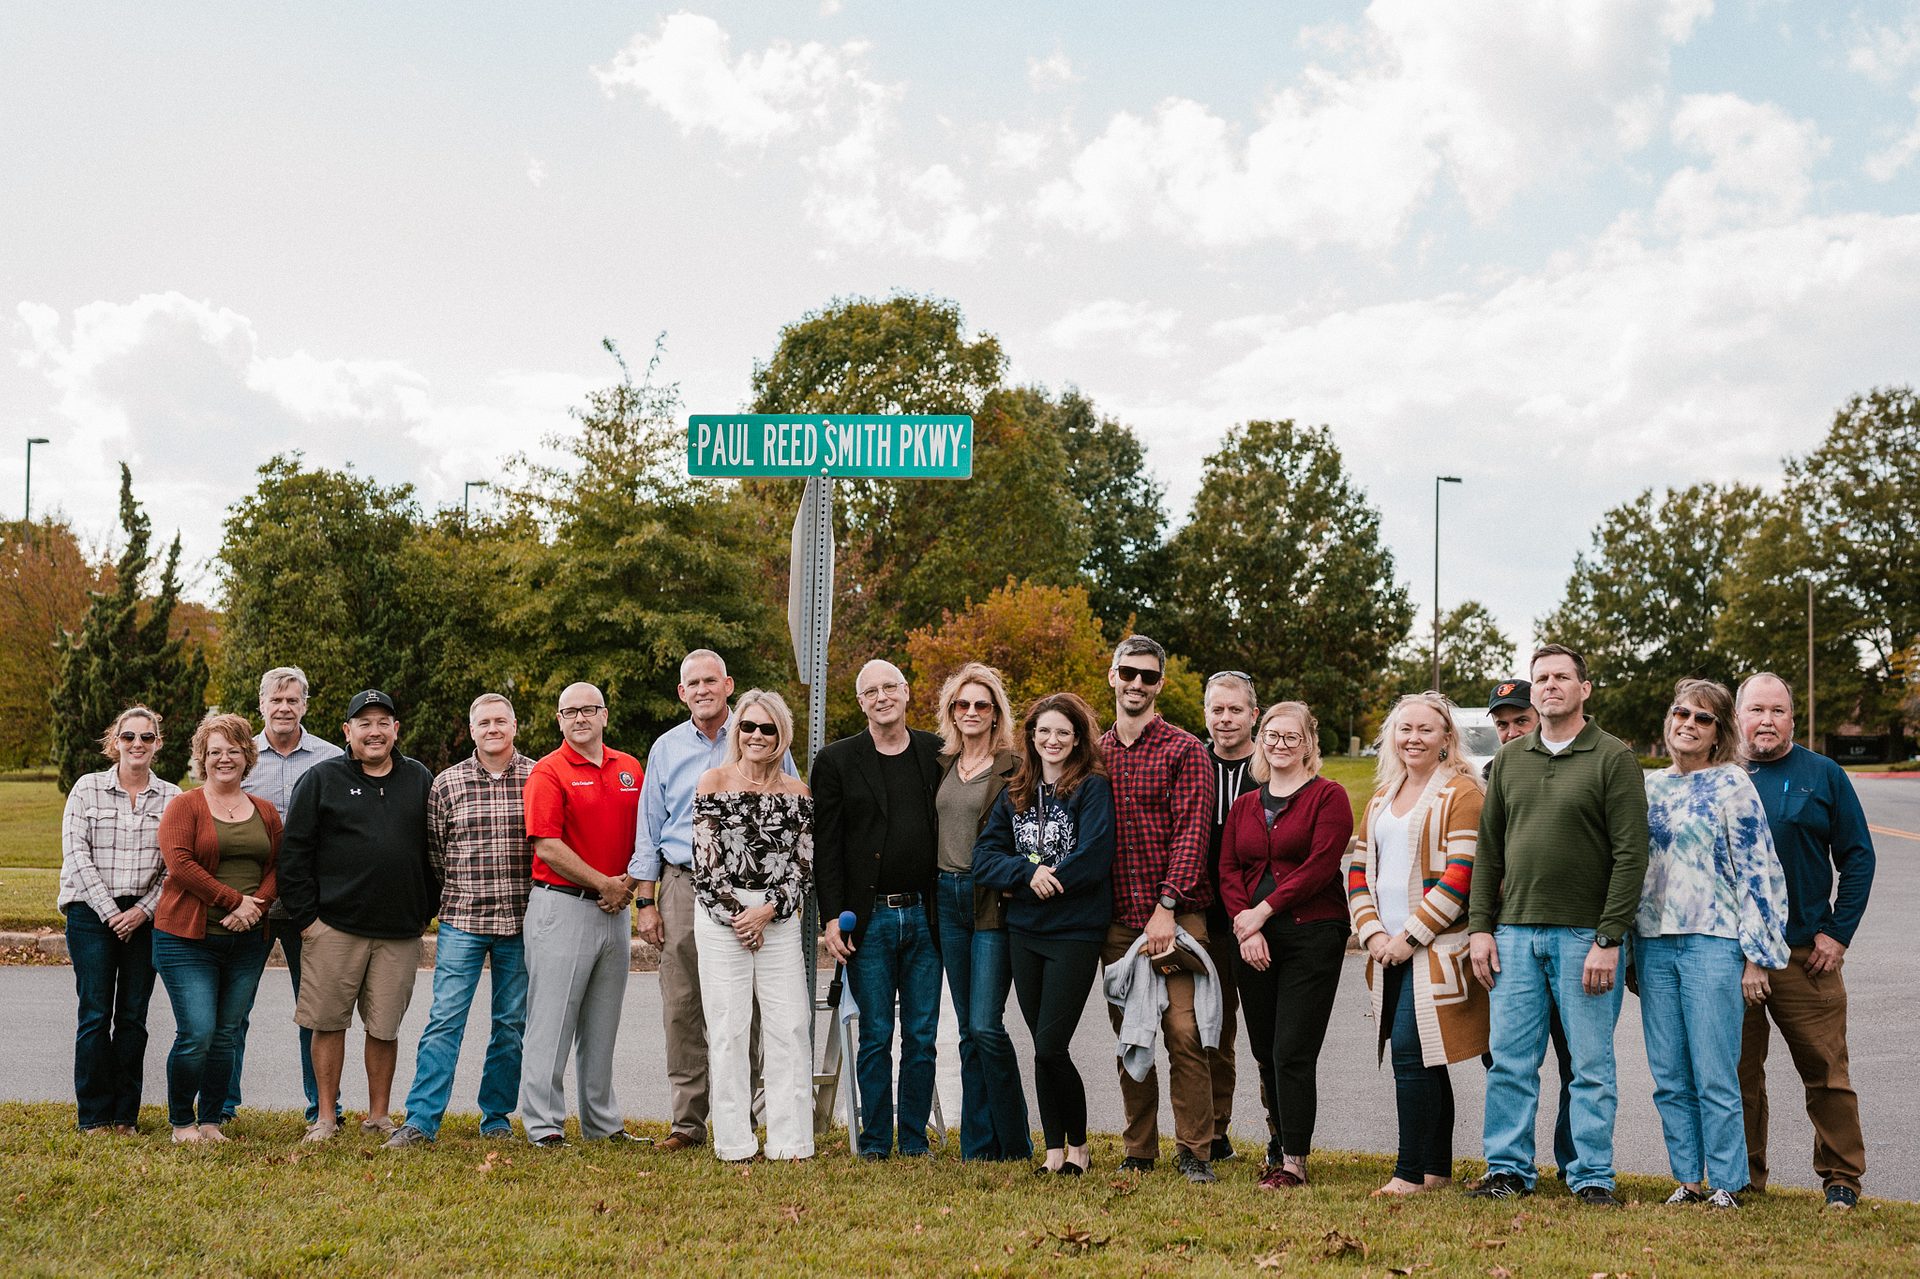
{"points": [[263, 1205], [26, 899], [30, 823]]}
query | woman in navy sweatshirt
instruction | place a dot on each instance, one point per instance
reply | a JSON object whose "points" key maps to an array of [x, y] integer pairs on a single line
{"points": [[1049, 841]]}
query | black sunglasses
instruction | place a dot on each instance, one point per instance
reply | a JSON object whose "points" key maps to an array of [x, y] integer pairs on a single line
{"points": [[139, 737], [1145, 674], [1704, 718], [961, 706], [749, 728]]}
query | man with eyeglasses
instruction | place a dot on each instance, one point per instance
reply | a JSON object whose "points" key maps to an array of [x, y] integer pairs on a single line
{"points": [[875, 853], [1163, 799], [1232, 709], [582, 807], [661, 867], [1557, 876], [1820, 832]]}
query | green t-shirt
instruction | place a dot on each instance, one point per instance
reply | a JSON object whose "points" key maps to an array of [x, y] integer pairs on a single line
{"points": [[243, 849]]}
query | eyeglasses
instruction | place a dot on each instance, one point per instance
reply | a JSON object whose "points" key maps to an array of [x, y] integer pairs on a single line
{"points": [[892, 688], [1220, 675], [961, 706], [1706, 719], [131, 736], [1289, 740], [1145, 674], [575, 712], [750, 728]]}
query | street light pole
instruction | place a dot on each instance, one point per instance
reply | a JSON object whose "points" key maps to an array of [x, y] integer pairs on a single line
{"points": [[1809, 661], [466, 500], [1438, 480], [31, 441]]}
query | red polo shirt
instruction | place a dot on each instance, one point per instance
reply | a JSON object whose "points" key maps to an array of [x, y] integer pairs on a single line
{"points": [[592, 809]]}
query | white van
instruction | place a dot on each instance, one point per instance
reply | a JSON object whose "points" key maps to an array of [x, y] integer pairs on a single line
{"points": [[1477, 735]]}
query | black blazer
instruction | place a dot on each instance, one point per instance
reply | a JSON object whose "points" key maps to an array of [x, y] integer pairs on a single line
{"points": [[850, 821]]}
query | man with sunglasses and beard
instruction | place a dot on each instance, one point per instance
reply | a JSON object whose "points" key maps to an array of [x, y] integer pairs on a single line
{"points": [[662, 870], [1163, 798]]}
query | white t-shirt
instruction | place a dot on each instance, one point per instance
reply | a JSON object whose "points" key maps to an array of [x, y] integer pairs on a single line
{"points": [[1553, 747], [1393, 868]]}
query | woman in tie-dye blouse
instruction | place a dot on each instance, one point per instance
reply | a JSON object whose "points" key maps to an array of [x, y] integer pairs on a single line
{"points": [[1712, 921]]}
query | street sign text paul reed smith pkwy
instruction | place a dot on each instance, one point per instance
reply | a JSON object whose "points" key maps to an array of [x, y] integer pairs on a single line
{"points": [[805, 444]]}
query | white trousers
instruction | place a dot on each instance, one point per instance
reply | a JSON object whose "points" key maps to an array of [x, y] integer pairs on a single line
{"points": [[732, 980]]}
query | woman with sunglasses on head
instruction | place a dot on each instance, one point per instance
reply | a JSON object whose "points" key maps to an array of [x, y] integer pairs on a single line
{"points": [[1712, 921], [1408, 874], [1280, 857], [976, 759], [110, 870], [1049, 842], [752, 870]]}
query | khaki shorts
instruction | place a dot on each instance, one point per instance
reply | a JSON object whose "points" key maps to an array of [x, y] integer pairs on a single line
{"points": [[339, 970]]}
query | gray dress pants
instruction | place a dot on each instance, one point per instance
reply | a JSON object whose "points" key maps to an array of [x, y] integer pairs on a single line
{"points": [[577, 960]]}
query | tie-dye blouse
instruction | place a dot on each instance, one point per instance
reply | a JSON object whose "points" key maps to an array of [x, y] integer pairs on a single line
{"points": [[1711, 865]]}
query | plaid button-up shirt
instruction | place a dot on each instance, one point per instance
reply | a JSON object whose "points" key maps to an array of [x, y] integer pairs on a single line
{"points": [[477, 838], [1163, 818], [109, 845]]}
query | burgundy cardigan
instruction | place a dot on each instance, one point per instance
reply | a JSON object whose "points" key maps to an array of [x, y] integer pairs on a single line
{"points": [[1303, 851], [190, 845]]}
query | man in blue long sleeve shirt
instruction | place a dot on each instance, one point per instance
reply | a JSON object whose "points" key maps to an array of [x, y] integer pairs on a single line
{"points": [[1819, 830], [661, 869]]}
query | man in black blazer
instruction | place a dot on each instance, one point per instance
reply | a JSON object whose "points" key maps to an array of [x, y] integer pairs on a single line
{"points": [[875, 844]]}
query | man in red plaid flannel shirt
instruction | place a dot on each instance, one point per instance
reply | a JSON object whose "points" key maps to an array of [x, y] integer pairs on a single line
{"points": [[1163, 811]]}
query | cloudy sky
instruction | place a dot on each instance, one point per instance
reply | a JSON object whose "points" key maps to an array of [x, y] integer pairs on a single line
{"points": [[1565, 249]]}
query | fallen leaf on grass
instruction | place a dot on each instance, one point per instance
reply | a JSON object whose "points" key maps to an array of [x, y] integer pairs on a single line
{"points": [[1335, 1244], [1076, 1241], [368, 1154], [491, 1162], [1494, 1242], [792, 1213], [1499, 1272], [1270, 1260], [1403, 1270], [946, 1210]]}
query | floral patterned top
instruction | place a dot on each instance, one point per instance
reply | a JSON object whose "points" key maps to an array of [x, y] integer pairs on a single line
{"points": [[745, 839], [1711, 865]]}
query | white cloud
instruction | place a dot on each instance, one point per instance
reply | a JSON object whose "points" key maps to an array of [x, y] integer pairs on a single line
{"points": [[1113, 324], [536, 171], [828, 8], [1885, 165], [1883, 51], [1760, 164], [687, 71], [1050, 72], [1492, 94], [1020, 149]]}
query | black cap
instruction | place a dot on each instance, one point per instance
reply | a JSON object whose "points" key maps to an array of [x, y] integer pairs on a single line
{"points": [[1511, 692], [371, 697]]}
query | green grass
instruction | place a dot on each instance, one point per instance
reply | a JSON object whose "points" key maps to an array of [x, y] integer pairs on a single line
{"points": [[30, 823], [26, 899], [264, 1205]]}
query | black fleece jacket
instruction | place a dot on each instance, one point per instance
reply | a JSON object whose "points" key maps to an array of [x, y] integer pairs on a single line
{"points": [[355, 850]]}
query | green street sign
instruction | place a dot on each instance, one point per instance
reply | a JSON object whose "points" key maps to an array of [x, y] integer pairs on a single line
{"points": [[800, 445]]}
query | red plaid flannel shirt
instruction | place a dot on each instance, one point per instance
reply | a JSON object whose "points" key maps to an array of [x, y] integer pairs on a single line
{"points": [[1163, 815]]}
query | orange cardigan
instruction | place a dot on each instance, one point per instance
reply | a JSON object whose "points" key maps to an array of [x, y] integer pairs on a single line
{"points": [[190, 846]]}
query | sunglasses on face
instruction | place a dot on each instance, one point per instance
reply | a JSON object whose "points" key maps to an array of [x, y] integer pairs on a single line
{"points": [[1706, 719], [1145, 674], [961, 706], [130, 736], [752, 728]]}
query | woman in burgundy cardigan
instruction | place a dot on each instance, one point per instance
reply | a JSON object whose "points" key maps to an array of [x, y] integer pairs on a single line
{"points": [[1280, 856], [219, 844]]}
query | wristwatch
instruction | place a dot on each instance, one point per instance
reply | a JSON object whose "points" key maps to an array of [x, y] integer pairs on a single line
{"points": [[643, 902], [1169, 902], [1605, 942]]}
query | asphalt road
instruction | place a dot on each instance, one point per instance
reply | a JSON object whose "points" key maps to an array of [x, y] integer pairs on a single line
{"points": [[1356, 1099]]}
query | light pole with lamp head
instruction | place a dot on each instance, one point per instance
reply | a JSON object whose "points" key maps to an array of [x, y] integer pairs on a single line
{"points": [[1438, 480], [31, 441], [466, 500]]}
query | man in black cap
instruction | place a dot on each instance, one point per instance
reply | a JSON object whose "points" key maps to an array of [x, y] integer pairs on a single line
{"points": [[357, 881], [1511, 705]]}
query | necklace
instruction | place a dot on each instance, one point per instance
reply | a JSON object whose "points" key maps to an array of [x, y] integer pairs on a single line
{"points": [[757, 786], [227, 811], [970, 771]]}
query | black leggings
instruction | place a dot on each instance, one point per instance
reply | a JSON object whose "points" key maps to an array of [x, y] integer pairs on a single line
{"points": [[1051, 977], [1287, 1008]]}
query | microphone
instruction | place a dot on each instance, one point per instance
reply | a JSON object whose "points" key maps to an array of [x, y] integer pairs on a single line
{"points": [[848, 921]]}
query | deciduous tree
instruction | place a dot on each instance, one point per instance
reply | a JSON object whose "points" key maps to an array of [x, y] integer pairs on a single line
{"points": [[45, 583]]}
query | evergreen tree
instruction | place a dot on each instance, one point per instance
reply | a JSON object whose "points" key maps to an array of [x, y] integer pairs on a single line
{"points": [[125, 655]]}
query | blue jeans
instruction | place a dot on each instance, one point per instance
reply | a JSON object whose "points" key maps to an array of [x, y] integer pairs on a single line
{"points": [[211, 983], [456, 976], [993, 1105], [1692, 1012], [1539, 972], [114, 979], [289, 938], [894, 959], [1423, 1094]]}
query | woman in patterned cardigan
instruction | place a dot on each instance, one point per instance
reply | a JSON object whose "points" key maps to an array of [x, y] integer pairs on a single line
{"points": [[1408, 872]]}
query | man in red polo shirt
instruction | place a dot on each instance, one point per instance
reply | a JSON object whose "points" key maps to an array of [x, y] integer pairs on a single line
{"points": [[583, 802]]}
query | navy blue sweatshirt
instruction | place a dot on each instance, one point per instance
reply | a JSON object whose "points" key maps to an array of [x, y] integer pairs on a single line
{"points": [[354, 854], [1074, 837], [1818, 828]]}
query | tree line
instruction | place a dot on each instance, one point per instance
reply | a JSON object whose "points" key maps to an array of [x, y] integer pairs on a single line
{"points": [[610, 563]]}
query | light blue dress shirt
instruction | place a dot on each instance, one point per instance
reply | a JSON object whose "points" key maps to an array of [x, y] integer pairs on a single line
{"points": [[674, 765], [273, 776]]}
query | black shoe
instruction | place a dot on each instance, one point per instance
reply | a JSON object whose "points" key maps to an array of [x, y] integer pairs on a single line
{"points": [[1135, 1163], [874, 1156], [1686, 1195], [1597, 1197], [1842, 1197], [1221, 1151], [1194, 1169], [1041, 1170], [1501, 1185], [1072, 1169], [1723, 1199], [552, 1141]]}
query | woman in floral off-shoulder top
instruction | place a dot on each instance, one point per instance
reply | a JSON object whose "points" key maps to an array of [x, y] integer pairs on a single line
{"points": [[1712, 921], [752, 867]]}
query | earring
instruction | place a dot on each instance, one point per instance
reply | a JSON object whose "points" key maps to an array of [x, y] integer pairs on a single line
{"points": [[1443, 752]]}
